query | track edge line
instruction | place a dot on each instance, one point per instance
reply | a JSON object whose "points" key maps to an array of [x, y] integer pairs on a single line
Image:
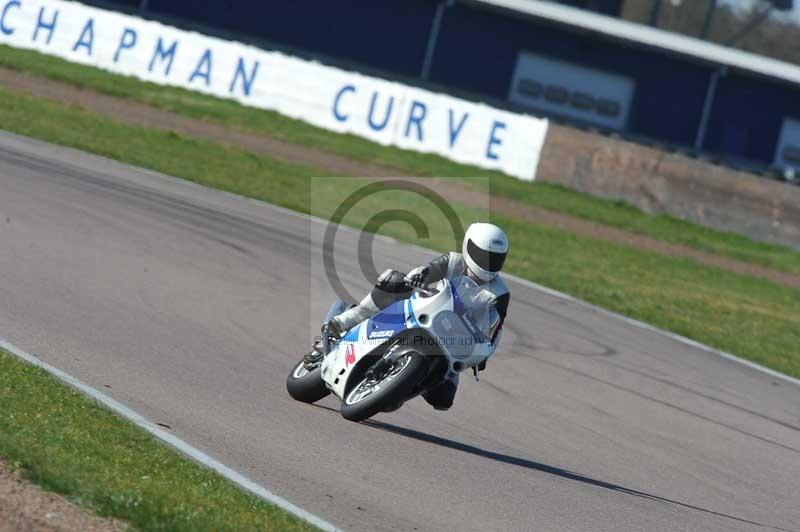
{"points": [[171, 440], [662, 332]]}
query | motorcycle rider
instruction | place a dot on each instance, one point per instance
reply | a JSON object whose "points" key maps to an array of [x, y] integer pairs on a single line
{"points": [[483, 253]]}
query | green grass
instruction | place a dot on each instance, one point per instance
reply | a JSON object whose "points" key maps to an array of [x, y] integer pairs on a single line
{"points": [[552, 197], [750, 317], [68, 444]]}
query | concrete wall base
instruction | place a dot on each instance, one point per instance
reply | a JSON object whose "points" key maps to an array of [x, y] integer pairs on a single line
{"points": [[661, 182]]}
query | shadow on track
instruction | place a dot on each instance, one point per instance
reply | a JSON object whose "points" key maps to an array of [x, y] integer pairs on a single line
{"points": [[544, 468]]}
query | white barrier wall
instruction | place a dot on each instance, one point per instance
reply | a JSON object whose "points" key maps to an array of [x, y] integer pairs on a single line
{"points": [[334, 99]]}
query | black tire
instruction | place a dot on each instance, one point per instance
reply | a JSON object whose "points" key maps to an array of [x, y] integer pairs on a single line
{"points": [[391, 393], [306, 386]]}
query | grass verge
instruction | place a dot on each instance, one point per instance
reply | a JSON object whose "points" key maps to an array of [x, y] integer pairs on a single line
{"points": [[231, 114], [68, 444], [750, 317]]}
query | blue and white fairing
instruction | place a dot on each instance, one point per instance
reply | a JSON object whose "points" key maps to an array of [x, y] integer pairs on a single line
{"points": [[453, 322]]}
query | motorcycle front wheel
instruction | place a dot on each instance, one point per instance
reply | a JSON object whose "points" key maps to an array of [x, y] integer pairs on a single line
{"points": [[371, 396], [306, 386]]}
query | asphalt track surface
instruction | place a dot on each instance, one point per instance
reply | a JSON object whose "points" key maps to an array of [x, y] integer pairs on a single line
{"points": [[190, 306]]}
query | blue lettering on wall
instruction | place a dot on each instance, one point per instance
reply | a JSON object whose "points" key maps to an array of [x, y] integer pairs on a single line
{"points": [[338, 115], [86, 40], [42, 25], [203, 68], [386, 116], [494, 140], [247, 82], [456, 130], [163, 54], [127, 41], [415, 116], [5, 29]]}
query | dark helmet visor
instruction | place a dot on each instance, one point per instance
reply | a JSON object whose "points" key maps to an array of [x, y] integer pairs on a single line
{"points": [[487, 260]]}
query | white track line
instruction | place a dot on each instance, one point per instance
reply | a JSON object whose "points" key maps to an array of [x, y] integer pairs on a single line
{"points": [[642, 325], [172, 440]]}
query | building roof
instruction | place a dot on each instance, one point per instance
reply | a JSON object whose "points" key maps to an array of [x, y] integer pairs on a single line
{"points": [[646, 35]]}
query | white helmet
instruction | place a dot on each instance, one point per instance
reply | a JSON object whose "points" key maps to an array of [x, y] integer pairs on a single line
{"points": [[484, 250]]}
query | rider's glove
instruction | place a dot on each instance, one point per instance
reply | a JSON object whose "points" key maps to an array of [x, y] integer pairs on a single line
{"points": [[417, 280]]}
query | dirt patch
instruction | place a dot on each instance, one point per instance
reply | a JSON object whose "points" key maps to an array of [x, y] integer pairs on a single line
{"points": [[26, 507], [147, 116], [143, 115], [658, 181]]}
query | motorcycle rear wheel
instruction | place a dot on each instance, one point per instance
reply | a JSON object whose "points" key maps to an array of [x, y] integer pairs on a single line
{"points": [[368, 397], [306, 386]]}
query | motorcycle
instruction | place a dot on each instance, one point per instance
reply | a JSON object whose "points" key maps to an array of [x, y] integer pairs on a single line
{"points": [[408, 348]]}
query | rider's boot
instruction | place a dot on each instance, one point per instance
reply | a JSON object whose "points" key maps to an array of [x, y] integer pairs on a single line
{"points": [[315, 356], [441, 397], [331, 329]]}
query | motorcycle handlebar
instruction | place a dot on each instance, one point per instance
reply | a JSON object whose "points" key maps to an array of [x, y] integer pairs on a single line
{"points": [[424, 291]]}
